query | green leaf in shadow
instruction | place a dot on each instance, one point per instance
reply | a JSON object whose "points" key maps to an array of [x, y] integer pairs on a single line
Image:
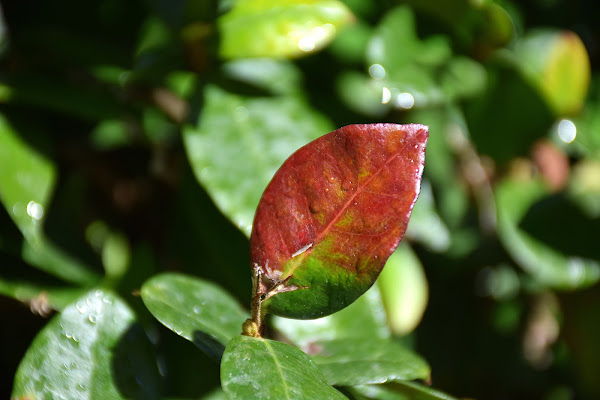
{"points": [[197, 310], [547, 265], [349, 362], [256, 368], [399, 391], [365, 318], [27, 179], [92, 350]]}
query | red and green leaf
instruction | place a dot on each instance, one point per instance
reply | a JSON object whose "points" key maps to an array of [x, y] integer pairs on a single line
{"points": [[333, 214]]}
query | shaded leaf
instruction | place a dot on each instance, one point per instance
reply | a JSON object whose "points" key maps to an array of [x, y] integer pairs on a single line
{"points": [[333, 214], [547, 265], [27, 179], [92, 350], [197, 310], [241, 141], [404, 290], [401, 391], [280, 29], [350, 362], [256, 368], [365, 318]]}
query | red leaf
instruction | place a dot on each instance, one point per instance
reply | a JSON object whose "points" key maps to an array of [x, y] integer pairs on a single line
{"points": [[333, 214]]}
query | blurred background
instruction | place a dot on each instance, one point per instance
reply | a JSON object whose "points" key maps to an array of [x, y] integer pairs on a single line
{"points": [[138, 136]]}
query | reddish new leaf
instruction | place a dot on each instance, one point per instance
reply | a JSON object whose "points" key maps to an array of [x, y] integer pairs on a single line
{"points": [[333, 214]]}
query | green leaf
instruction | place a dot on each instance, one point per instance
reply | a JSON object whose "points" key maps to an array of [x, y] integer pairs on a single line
{"points": [[417, 72], [558, 65], [426, 226], [271, 28], [349, 362], [401, 391], [197, 310], [256, 368], [365, 318], [241, 141], [276, 76], [92, 350], [27, 179], [404, 290], [548, 266], [333, 214]]}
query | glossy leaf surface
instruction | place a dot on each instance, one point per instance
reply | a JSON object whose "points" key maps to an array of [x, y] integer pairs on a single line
{"points": [[333, 214], [280, 28], [195, 309], [255, 368], [92, 350], [241, 141], [349, 362]]}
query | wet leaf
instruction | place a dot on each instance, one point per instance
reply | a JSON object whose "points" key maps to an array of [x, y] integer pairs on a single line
{"points": [[241, 141], [92, 350], [350, 362], [333, 214], [280, 29], [255, 368], [195, 309], [547, 265]]}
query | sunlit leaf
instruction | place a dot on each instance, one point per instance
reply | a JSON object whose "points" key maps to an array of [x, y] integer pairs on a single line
{"points": [[92, 350], [350, 362], [404, 290], [333, 214], [195, 309], [241, 141], [280, 29], [255, 368], [557, 63]]}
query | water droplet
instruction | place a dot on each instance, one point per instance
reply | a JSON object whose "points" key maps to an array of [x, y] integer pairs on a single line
{"points": [[93, 318], [567, 131], [377, 71], [197, 309], [81, 307], [405, 100], [332, 179], [35, 210]]}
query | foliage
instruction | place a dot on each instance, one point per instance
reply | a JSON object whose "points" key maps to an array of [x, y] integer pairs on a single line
{"points": [[136, 139]]}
